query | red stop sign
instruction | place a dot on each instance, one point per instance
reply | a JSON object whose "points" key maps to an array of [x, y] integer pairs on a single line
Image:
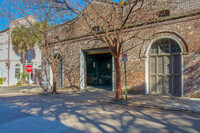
{"points": [[28, 68]]}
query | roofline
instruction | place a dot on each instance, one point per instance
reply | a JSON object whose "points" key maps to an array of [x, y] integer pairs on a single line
{"points": [[4, 30], [106, 1], [14, 20], [75, 19], [195, 13]]}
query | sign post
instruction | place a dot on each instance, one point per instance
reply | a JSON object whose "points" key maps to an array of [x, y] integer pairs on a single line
{"points": [[28, 69], [124, 59]]}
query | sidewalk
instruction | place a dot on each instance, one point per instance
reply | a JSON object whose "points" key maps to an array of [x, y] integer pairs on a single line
{"points": [[165, 102], [94, 95], [147, 101]]}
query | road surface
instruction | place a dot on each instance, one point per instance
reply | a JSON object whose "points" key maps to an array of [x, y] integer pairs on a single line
{"points": [[54, 114]]}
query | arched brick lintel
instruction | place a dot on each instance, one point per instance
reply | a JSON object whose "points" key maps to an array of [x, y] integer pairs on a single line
{"points": [[161, 34]]}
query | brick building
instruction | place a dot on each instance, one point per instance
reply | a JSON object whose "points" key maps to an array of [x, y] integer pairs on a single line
{"points": [[166, 62]]}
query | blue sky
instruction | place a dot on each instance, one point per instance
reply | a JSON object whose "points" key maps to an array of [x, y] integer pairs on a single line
{"points": [[14, 13], [4, 21]]}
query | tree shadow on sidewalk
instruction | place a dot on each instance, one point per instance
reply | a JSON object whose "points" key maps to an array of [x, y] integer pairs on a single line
{"points": [[103, 117]]}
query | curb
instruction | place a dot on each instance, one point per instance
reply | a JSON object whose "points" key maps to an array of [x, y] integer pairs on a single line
{"points": [[7, 94], [157, 107], [166, 108], [145, 106], [32, 92]]}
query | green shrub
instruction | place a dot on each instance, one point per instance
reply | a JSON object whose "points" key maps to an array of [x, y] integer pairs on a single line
{"points": [[18, 84]]}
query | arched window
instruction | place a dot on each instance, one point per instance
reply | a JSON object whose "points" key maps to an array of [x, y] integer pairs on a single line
{"points": [[40, 67], [17, 66], [165, 46], [17, 71]]}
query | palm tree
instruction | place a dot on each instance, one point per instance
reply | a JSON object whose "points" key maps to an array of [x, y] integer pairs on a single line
{"points": [[23, 39]]}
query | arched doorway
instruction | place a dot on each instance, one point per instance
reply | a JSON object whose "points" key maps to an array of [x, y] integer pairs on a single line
{"points": [[165, 75], [59, 72]]}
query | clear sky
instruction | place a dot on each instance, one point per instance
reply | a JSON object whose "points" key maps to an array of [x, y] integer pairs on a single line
{"points": [[10, 13], [5, 6], [3, 23]]}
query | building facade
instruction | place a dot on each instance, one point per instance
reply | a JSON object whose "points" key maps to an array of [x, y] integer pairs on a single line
{"points": [[11, 62], [167, 61]]}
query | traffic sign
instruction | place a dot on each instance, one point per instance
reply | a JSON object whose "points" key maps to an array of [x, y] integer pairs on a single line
{"points": [[28, 68], [124, 57]]}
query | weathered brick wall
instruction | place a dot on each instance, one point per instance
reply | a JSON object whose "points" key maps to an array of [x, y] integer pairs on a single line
{"points": [[71, 62], [192, 75], [80, 26], [186, 31], [184, 6], [176, 7]]}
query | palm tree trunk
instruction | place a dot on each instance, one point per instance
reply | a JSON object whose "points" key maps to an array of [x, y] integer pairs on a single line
{"points": [[23, 63]]}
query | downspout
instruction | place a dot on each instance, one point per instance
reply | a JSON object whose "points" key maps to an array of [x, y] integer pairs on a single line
{"points": [[9, 57]]}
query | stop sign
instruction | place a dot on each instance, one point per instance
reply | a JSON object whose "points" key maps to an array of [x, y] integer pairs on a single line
{"points": [[28, 68]]}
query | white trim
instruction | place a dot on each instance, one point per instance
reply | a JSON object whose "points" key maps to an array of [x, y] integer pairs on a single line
{"points": [[146, 75], [51, 76], [147, 63], [62, 74], [182, 85], [83, 70], [83, 84], [113, 75]]}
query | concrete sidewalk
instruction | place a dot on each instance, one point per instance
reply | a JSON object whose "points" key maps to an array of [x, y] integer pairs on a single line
{"points": [[149, 101], [165, 102]]}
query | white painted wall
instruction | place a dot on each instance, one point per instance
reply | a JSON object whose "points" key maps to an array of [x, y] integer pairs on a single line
{"points": [[22, 21], [4, 45], [14, 57], [4, 73], [82, 70], [13, 80], [4, 56], [36, 62]]}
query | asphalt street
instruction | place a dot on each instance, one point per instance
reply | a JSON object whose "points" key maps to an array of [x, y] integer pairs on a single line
{"points": [[53, 114], [14, 89]]}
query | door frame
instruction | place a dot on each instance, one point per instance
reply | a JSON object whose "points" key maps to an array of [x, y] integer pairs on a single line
{"points": [[147, 89], [83, 71]]}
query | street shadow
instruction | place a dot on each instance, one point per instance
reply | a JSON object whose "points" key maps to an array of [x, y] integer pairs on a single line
{"points": [[14, 120], [73, 111]]}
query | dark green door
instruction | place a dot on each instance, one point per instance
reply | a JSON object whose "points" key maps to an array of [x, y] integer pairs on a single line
{"points": [[99, 69]]}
